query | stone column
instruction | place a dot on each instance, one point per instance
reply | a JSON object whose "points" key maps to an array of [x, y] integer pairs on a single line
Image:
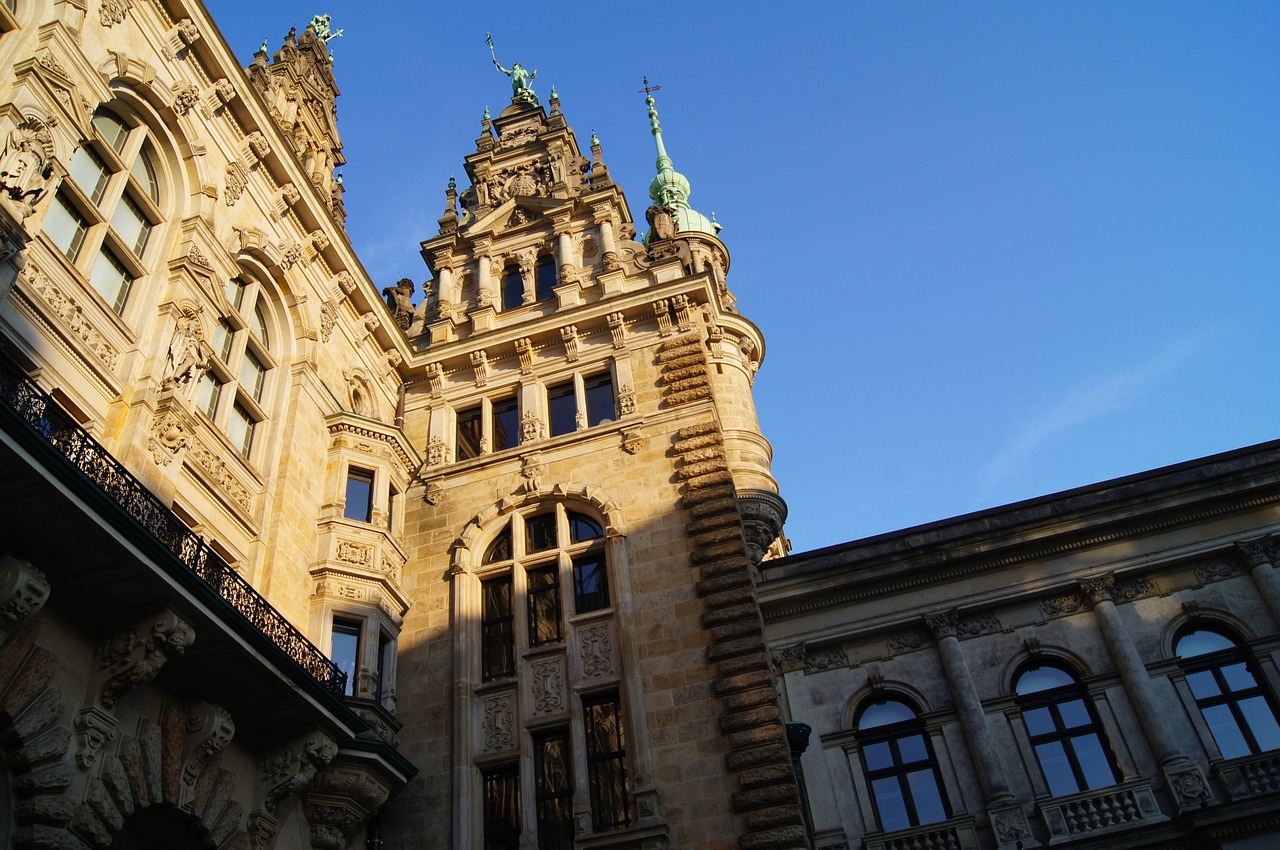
{"points": [[1259, 557], [1007, 818], [484, 280], [608, 244], [1185, 780], [564, 253]]}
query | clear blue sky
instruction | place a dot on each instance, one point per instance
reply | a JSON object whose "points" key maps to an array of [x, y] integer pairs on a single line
{"points": [[997, 249]]}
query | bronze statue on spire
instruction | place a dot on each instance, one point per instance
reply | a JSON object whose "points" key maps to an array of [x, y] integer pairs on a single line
{"points": [[521, 80]]}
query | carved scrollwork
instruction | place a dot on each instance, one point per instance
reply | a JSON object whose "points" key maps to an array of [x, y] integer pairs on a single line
{"points": [[24, 589], [216, 728], [596, 649], [287, 772], [499, 722], [134, 656]]}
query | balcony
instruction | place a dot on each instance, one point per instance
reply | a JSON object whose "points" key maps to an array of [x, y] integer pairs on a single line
{"points": [[1250, 776], [1104, 810], [954, 834]]}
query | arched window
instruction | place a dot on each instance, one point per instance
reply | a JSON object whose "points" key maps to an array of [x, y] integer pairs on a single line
{"points": [[1239, 712], [233, 391], [512, 287], [544, 278], [1068, 740], [104, 214], [900, 766]]}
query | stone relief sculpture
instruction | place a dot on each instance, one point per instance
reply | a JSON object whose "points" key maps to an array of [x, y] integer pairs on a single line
{"points": [[134, 656], [186, 361], [26, 163], [399, 300], [662, 220]]}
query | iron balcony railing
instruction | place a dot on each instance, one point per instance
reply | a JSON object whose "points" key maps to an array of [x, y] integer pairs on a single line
{"points": [[51, 423]]}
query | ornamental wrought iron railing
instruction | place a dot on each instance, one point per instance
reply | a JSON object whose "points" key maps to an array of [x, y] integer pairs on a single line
{"points": [[51, 423]]}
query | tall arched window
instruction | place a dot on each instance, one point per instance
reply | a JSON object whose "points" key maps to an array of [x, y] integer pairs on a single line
{"points": [[1068, 740], [233, 390], [544, 278], [104, 214], [900, 765], [1238, 710], [512, 287]]}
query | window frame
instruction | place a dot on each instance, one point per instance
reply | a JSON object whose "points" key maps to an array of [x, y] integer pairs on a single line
{"points": [[1052, 701], [1215, 662], [892, 735]]}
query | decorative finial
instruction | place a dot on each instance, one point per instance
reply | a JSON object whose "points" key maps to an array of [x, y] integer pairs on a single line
{"points": [[263, 48], [487, 116], [595, 140], [453, 186], [554, 96]]}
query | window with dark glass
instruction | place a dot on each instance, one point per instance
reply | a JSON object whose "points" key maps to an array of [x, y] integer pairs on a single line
{"points": [[544, 605], [1239, 711], [506, 424], [544, 278], [562, 408], [1064, 731], [512, 288], [606, 761], [497, 630], [583, 528], [502, 808], [386, 654], [598, 390], [590, 583], [900, 767], [540, 532], [345, 649], [553, 773], [234, 387], [470, 432], [359, 504], [500, 548]]}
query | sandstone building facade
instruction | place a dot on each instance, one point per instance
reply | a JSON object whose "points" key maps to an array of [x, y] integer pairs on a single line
{"points": [[292, 560]]}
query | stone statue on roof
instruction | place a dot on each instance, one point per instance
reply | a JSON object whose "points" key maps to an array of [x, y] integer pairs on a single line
{"points": [[521, 80], [320, 23]]}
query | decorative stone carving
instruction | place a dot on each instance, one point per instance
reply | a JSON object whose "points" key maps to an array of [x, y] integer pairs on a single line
{"points": [[319, 241], [399, 300], [524, 351], [617, 329], [339, 801], [789, 658], [480, 366], [568, 274], [531, 428], [262, 829], [216, 468], [353, 553], [548, 686], [185, 98], [1098, 589], [626, 400], [235, 181], [134, 656], [24, 589], [763, 514], [680, 303], [942, 624], [907, 641], [113, 11], [434, 493], [169, 434], [224, 89], [499, 722], [632, 442], [1258, 552], [1060, 605], [328, 318], [531, 470], [287, 773], [26, 164], [663, 315], [184, 34], [290, 254], [981, 624], [437, 452], [570, 336], [258, 145], [595, 648], [825, 658], [662, 223], [1010, 826], [435, 379], [186, 360], [216, 728], [1189, 785], [67, 309], [94, 728]]}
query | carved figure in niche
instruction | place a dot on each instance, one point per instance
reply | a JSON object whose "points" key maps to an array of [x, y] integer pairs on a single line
{"points": [[186, 362], [662, 220], [521, 80], [25, 166], [400, 302]]}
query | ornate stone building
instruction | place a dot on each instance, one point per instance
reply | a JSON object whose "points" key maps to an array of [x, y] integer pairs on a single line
{"points": [[290, 560]]}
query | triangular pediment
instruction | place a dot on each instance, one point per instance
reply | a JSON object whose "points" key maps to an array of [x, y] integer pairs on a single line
{"points": [[512, 213]]}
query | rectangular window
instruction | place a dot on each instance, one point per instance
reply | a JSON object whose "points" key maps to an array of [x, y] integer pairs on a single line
{"points": [[222, 336], [235, 292], [345, 649], [562, 409], [497, 631], [606, 761], [89, 172], [470, 433], [359, 504], [599, 398], [590, 583], [252, 375], [502, 808], [544, 605], [209, 393], [506, 424], [131, 224], [393, 499], [553, 774], [111, 280], [240, 429], [65, 227], [386, 654]]}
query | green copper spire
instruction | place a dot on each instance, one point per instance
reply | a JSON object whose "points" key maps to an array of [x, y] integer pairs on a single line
{"points": [[669, 187]]}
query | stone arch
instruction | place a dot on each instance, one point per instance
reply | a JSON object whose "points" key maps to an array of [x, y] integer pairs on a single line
{"points": [[1213, 618], [35, 745], [1058, 655], [475, 529], [883, 689]]}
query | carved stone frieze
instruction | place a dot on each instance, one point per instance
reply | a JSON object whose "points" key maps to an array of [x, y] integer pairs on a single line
{"points": [[825, 658], [942, 624], [498, 721], [24, 589], [1058, 606], [548, 686], [216, 468], [350, 552], [290, 254], [906, 641], [133, 657], [69, 311], [595, 647], [1218, 569], [234, 182], [1098, 588], [789, 658], [113, 11]]}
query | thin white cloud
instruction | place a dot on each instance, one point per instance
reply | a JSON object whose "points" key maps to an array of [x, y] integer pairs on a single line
{"points": [[1101, 396]]}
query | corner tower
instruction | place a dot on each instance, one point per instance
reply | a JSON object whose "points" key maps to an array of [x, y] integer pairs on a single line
{"points": [[583, 660]]}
